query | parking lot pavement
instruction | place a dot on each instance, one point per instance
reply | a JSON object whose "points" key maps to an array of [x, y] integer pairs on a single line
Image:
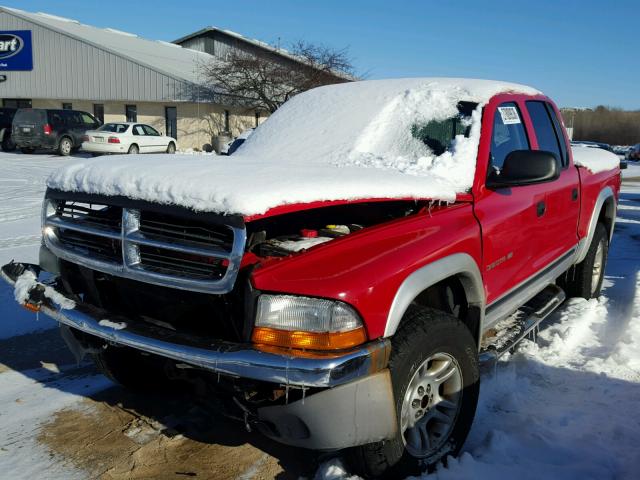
{"points": [[59, 420]]}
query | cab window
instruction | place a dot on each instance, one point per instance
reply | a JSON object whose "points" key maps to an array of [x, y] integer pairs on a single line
{"points": [[508, 134], [546, 132]]}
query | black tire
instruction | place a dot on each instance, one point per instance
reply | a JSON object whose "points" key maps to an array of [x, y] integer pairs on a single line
{"points": [[27, 150], [65, 147], [131, 369], [577, 281], [133, 149], [424, 332], [171, 148], [8, 145]]}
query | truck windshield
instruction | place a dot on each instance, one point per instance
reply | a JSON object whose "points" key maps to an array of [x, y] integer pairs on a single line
{"points": [[438, 135]]}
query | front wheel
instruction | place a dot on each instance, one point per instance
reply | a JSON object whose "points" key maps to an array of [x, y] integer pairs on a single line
{"points": [[585, 279], [435, 379], [133, 150], [171, 148]]}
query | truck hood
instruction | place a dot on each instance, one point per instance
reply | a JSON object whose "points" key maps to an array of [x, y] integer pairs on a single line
{"points": [[336, 143], [238, 185]]}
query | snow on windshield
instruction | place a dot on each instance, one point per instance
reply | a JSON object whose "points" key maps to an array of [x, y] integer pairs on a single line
{"points": [[358, 140]]}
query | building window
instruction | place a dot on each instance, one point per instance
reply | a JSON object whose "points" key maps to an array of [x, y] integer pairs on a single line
{"points": [[16, 103], [131, 112], [98, 111], [171, 122], [226, 120], [257, 118], [67, 106]]}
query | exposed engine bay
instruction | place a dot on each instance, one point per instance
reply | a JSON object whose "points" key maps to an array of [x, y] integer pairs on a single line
{"points": [[298, 231]]}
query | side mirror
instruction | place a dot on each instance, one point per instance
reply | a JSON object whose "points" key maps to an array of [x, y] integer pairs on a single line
{"points": [[525, 167]]}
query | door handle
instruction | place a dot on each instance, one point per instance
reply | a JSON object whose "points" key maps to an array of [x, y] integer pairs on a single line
{"points": [[574, 194], [541, 208]]}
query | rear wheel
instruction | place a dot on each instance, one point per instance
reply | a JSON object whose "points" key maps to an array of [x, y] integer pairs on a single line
{"points": [[585, 279], [171, 148], [131, 369], [65, 146], [435, 379], [133, 149], [8, 145]]}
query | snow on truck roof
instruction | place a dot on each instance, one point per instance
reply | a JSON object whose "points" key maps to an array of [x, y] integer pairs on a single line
{"points": [[353, 141]]}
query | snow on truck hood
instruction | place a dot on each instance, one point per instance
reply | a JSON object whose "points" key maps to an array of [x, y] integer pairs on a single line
{"points": [[341, 142]]}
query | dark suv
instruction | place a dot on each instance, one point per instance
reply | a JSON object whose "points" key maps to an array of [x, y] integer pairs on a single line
{"points": [[6, 117], [58, 130]]}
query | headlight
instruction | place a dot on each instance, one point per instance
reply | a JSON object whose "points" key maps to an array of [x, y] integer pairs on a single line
{"points": [[307, 323]]}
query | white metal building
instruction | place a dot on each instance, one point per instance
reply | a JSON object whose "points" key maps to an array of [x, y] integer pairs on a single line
{"points": [[119, 76]]}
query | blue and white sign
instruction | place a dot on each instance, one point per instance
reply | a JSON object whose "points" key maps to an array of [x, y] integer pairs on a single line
{"points": [[16, 52]]}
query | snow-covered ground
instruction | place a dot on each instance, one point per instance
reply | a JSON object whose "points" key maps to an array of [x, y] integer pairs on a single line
{"points": [[563, 407]]}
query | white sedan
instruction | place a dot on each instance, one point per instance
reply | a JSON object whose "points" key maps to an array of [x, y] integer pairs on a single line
{"points": [[127, 137]]}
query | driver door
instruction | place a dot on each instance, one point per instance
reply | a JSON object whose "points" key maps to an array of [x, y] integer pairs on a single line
{"points": [[512, 219]]}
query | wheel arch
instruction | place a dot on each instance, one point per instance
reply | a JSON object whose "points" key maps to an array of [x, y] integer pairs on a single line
{"points": [[604, 211], [459, 269]]}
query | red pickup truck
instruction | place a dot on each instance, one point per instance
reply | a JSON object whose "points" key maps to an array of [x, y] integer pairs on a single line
{"points": [[339, 279]]}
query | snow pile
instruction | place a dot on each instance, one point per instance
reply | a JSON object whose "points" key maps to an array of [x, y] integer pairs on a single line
{"points": [[340, 142], [595, 159], [28, 281], [114, 325]]}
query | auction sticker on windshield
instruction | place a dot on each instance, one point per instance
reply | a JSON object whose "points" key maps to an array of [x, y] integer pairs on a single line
{"points": [[509, 115]]}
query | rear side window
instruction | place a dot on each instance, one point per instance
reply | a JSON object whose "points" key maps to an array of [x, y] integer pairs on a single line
{"points": [[508, 134], [72, 118], [114, 127], [548, 138], [56, 119]]}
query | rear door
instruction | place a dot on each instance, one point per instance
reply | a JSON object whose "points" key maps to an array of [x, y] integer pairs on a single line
{"points": [[562, 196], [73, 126]]}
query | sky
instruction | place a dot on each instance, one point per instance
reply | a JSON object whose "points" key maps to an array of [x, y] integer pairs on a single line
{"points": [[580, 53]]}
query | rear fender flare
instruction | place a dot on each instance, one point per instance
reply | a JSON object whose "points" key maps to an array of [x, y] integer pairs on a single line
{"points": [[459, 265], [606, 200]]}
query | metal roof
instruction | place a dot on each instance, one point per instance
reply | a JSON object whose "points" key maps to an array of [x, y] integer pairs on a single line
{"points": [[164, 57]]}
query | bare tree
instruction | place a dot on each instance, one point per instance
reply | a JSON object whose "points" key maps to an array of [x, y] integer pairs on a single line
{"points": [[265, 80]]}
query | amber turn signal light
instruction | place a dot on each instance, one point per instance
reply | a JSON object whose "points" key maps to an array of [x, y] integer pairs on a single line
{"points": [[32, 307], [309, 340]]}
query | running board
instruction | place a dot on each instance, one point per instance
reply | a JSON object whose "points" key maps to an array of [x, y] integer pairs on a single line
{"points": [[507, 333]]}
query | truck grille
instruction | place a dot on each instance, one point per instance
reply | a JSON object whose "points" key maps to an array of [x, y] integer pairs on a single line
{"points": [[164, 249]]}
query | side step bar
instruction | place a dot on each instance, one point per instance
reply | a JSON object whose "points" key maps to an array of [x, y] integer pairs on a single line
{"points": [[507, 333]]}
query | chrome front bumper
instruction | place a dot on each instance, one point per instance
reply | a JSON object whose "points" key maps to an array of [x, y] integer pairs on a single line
{"points": [[233, 359]]}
